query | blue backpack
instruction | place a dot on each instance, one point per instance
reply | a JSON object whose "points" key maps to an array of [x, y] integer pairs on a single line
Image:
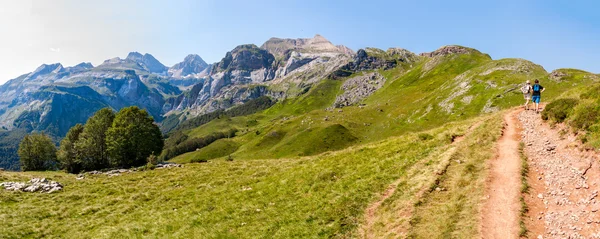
{"points": [[536, 88]]}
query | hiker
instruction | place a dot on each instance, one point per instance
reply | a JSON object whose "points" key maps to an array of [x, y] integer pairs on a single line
{"points": [[526, 89], [537, 90]]}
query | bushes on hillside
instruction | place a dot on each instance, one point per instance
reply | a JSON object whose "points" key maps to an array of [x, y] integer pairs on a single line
{"points": [[559, 110], [585, 115], [190, 145], [37, 152], [582, 115]]}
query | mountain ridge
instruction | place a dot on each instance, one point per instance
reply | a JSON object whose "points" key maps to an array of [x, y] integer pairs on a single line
{"points": [[282, 69]]}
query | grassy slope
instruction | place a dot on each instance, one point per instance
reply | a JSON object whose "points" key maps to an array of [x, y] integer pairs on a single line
{"points": [[315, 195], [311, 197], [432, 92]]}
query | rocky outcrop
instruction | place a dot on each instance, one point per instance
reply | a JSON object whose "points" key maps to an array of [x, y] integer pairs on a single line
{"points": [[358, 88], [318, 44], [373, 58], [42, 185], [402, 55], [447, 50], [557, 75], [191, 66], [148, 61], [244, 57]]}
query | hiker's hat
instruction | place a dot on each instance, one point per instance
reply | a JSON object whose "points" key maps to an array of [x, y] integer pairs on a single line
{"points": [[528, 82]]}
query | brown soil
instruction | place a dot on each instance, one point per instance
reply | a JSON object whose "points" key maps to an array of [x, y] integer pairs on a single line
{"points": [[500, 213]]}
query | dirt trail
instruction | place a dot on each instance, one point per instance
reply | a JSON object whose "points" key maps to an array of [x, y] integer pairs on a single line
{"points": [[564, 183], [500, 213]]}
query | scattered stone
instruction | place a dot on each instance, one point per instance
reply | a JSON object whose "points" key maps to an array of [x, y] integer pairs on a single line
{"points": [[169, 165], [359, 87], [540, 196], [34, 185]]}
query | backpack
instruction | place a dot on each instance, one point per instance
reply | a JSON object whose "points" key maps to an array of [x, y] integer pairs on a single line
{"points": [[536, 88], [525, 89]]}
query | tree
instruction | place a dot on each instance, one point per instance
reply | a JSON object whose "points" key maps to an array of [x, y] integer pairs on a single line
{"points": [[67, 154], [37, 152], [91, 145], [133, 137]]}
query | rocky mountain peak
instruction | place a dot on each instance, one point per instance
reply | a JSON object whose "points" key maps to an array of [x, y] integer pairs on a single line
{"points": [[194, 58], [318, 44], [148, 61], [245, 57], [134, 56], [85, 65], [192, 64], [45, 69]]}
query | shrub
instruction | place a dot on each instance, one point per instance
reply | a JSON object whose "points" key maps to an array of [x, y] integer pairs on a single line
{"points": [[585, 115], [593, 93], [199, 160], [425, 136], [193, 144], [559, 110], [152, 159]]}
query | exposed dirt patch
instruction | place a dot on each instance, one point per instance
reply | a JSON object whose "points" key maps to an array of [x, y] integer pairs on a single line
{"points": [[500, 213]]}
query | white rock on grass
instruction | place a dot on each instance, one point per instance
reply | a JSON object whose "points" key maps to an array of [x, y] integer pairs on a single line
{"points": [[34, 185]]}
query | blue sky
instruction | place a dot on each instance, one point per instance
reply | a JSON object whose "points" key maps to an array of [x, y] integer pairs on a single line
{"points": [[555, 34]]}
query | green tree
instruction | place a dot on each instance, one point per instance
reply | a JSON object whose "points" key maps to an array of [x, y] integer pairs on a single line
{"points": [[67, 155], [91, 146], [37, 152], [133, 137]]}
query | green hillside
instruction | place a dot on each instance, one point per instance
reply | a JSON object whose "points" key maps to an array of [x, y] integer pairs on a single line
{"points": [[416, 97], [311, 197], [408, 160]]}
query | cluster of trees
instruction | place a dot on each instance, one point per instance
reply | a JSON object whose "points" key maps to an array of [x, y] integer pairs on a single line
{"points": [[189, 145], [106, 140]]}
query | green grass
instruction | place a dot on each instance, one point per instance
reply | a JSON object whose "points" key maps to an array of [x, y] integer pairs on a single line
{"points": [[217, 149], [432, 92], [524, 190], [453, 212], [310, 197], [304, 170]]}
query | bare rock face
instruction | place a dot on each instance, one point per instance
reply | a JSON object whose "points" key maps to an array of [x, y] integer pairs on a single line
{"points": [[192, 65], [373, 58], [318, 44], [359, 88]]}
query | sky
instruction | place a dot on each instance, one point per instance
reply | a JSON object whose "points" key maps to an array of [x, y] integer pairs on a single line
{"points": [[554, 34]]}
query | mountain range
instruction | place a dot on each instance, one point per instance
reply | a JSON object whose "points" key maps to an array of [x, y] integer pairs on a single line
{"points": [[53, 98]]}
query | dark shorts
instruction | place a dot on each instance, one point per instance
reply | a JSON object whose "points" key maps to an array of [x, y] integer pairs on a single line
{"points": [[535, 99]]}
